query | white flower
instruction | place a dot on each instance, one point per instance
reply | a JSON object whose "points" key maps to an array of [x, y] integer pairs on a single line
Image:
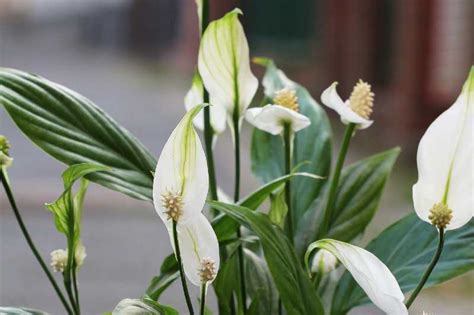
{"points": [[199, 251], [323, 262], [356, 109], [195, 97], [224, 65], [181, 180], [444, 194], [59, 257], [133, 307], [274, 118], [58, 260], [370, 273], [179, 192]]}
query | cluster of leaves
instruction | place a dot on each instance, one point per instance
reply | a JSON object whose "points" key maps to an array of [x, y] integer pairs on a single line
{"points": [[74, 130]]}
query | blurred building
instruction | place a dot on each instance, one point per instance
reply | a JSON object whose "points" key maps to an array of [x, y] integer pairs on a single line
{"points": [[416, 53]]}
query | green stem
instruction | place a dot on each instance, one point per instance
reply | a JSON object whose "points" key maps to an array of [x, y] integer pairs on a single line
{"points": [[70, 294], [289, 215], [181, 270], [208, 131], [203, 298], [26, 234], [76, 289], [68, 272], [335, 180], [428, 270], [243, 289]]}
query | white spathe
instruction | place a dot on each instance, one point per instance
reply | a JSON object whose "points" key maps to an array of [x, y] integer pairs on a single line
{"points": [[224, 65], [133, 307], [370, 273], [273, 118], [331, 99], [182, 169], [445, 161], [198, 241], [195, 97]]}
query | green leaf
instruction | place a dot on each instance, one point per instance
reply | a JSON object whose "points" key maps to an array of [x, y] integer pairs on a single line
{"points": [[312, 146], [260, 285], [68, 205], [296, 290], [357, 199], [73, 130], [169, 272], [225, 227], [406, 247], [19, 311], [226, 283]]}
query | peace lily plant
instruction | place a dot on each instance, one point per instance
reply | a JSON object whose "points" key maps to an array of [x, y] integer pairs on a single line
{"points": [[290, 247]]}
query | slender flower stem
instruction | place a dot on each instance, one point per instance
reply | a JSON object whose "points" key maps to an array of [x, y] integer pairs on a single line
{"points": [[76, 288], [243, 289], [203, 298], [70, 294], [67, 274], [327, 217], [26, 234], [428, 270], [181, 270], [289, 215], [208, 131]]}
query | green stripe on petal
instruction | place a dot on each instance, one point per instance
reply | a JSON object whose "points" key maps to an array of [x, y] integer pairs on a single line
{"points": [[444, 160], [369, 272], [224, 64]]}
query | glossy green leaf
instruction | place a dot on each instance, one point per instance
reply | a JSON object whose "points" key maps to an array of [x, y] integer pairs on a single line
{"points": [[357, 199], [73, 130], [225, 227], [406, 247], [260, 285], [19, 311], [226, 283], [169, 272], [312, 146], [295, 288]]}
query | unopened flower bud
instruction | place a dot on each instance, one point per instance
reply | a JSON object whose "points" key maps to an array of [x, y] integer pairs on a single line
{"points": [[5, 159], [80, 254], [58, 260], [440, 215], [323, 262]]}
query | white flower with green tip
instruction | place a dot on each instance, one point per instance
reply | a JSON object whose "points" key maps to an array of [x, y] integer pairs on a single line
{"points": [[356, 109], [273, 118], [195, 97], [180, 189], [134, 307], [224, 65], [444, 192], [369, 272]]}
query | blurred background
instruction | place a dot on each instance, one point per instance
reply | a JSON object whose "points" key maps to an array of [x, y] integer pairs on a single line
{"points": [[135, 58]]}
